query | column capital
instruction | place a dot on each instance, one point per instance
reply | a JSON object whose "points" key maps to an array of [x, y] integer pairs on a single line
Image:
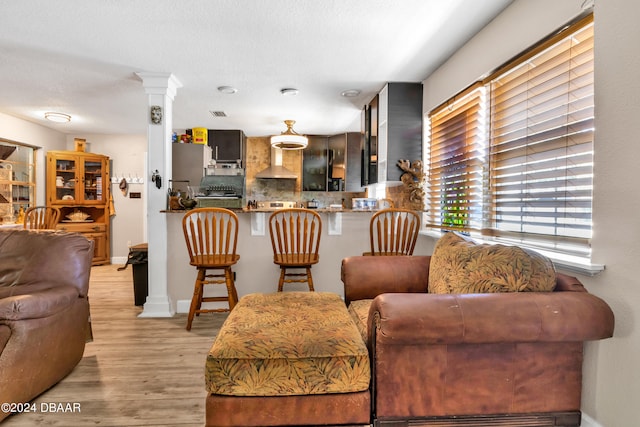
{"points": [[159, 83]]}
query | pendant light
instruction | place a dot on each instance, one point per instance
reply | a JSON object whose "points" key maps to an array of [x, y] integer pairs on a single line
{"points": [[289, 139]]}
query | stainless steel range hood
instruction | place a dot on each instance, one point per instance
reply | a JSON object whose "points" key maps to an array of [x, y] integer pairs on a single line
{"points": [[276, 170]]}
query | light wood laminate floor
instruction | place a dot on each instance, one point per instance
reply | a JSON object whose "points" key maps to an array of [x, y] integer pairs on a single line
{"points": [[137, 371]]}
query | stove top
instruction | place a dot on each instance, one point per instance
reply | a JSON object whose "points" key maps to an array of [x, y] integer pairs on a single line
{"points": [[275, 205]]}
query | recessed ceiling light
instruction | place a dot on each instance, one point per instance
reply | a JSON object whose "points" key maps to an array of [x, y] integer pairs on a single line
{"points": [[289, 91], [57, 117], [350, 93], [227, 89]]}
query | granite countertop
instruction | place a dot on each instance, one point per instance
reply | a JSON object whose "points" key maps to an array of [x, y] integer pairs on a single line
{"points": [[245, 210]]}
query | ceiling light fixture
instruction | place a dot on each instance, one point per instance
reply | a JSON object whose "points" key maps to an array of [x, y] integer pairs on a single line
{"points": [[227, 89], [350, 93], [289, 139], [57, 117], [289, 91]]}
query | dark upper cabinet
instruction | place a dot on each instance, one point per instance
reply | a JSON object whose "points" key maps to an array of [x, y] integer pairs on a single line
{"points": [[337, 162], [365, 127], [332, 163], [392, 129], [353, 161], [227, 145], [314, 164], [372, 172]]}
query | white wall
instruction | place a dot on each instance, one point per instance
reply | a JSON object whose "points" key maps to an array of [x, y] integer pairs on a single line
{"points": [[615, 373], [611, 383]]}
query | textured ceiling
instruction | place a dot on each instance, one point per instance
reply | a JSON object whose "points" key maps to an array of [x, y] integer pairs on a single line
{"points": [[81, 57]]}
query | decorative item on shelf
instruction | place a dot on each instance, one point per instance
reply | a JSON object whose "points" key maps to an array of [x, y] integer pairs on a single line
{"points": [[174, 201], [21, 215], [364, 203], [187, 202], [81, 144], [78, 216], [289, 139], [413, 180], [199, 135], [175, 194]]}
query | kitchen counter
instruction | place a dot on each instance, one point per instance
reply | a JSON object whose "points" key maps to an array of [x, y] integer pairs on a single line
{"points": [[259, 218], [245, 210], [255, 271]]}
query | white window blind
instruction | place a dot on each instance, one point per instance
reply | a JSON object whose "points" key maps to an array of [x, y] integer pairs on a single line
{"points": [[541, 147], [512, 156], [457, 157]]}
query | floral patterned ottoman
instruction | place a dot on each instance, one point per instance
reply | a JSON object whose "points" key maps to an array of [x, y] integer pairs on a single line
{"points": [[290, 358]]}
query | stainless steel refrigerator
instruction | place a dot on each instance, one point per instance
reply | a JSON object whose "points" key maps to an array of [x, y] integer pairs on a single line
{"points": [[189, 164]]}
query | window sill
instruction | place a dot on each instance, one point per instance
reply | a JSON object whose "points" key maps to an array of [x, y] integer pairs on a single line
{"points": [[568, 263]]}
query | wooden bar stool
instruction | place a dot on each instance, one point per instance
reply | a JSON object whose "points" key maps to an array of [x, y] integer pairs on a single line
{"points": [[295, 238], [211, 235], [393, 231]]}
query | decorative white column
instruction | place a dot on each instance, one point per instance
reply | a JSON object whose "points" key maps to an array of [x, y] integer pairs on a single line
{"points": [[161, 90]]}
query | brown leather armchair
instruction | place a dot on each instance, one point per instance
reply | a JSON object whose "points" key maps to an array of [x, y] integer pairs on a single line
{"points": [[44, 310], [473, 359]]}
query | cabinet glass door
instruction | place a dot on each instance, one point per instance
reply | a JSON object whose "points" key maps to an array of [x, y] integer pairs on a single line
{"points": [[93, 181], [314, 164], [336, 163], [66, 180]]}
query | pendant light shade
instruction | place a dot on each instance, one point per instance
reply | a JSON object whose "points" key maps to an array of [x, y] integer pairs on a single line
{"points": [[289, 139]]}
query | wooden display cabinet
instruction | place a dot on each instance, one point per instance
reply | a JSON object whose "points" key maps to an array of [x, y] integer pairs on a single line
{"points": [[17, 180], [80, 182]]}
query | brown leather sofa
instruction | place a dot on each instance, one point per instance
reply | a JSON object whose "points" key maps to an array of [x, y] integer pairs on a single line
{"points": [[44, 310], [507, 359]]}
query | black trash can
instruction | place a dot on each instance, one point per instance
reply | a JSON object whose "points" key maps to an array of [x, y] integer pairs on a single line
{"points": [[138, 258]]}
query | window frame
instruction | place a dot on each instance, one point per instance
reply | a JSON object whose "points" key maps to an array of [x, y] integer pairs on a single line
{"points": [[574, 247]]}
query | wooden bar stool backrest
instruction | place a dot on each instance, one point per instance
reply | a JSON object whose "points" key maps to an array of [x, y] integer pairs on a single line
{"points": [[211, 236], [295, 239], [393, 231], [41, 218]]}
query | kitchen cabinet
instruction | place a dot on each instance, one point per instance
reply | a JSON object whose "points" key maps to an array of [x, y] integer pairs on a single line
{"points": [[227, 145], [337, 162], [353, 162], [332, 163], [372, 143], [344, 162], [17, 180], [80, 182], [314, 164], [392, 131]]}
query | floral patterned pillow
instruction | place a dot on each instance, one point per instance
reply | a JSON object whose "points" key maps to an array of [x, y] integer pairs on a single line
{"points": [[460, 266]]}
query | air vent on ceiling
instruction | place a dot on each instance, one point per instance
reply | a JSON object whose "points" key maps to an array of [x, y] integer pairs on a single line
{"points": [[218, 113]]}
